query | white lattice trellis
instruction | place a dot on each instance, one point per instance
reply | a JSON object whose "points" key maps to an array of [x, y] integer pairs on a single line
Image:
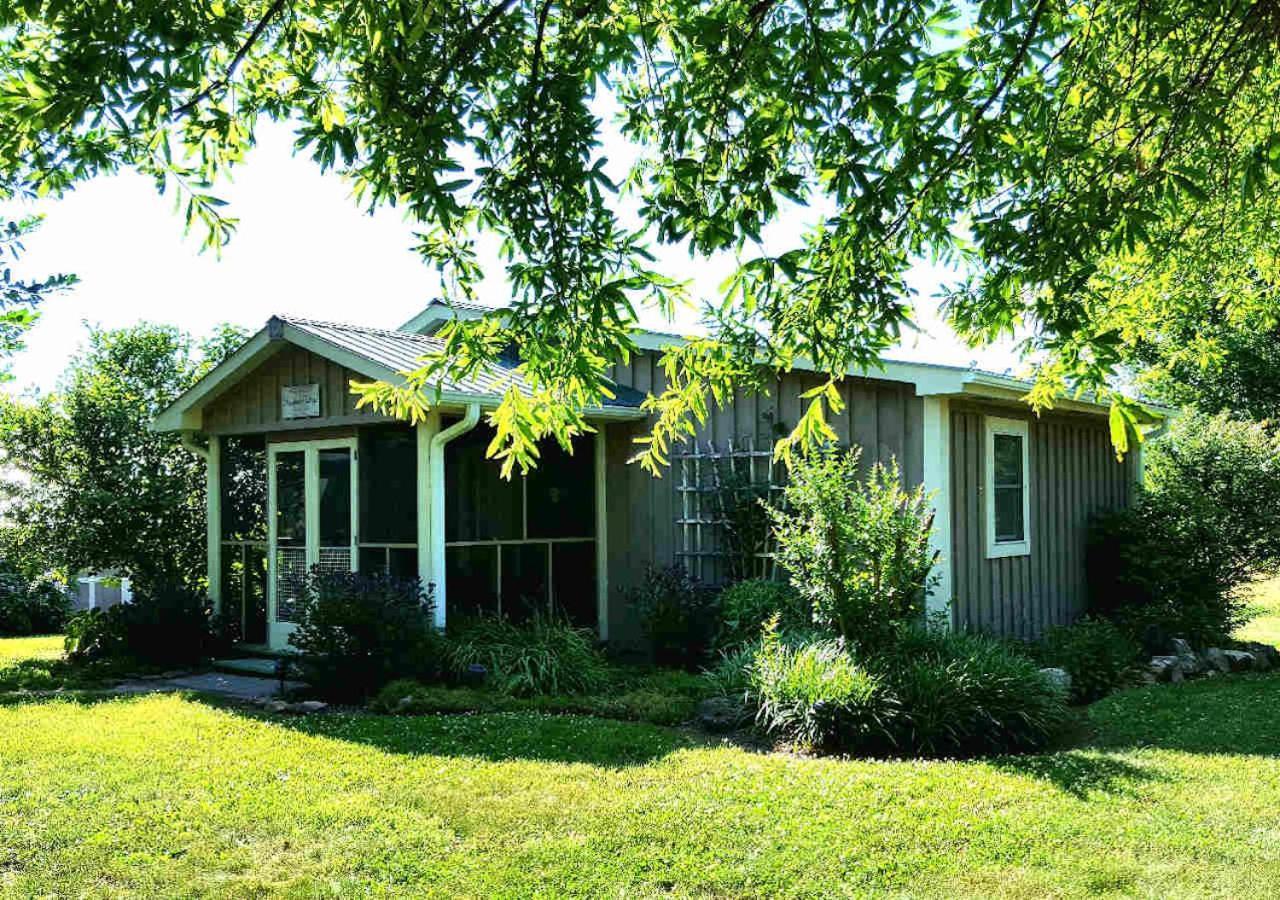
{"points": [[715, 483]]}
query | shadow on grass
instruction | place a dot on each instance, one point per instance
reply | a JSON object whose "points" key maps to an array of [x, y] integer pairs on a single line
{"points": [[494, 736], [1080, 774]]}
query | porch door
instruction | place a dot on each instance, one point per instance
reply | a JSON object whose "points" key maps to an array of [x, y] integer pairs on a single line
{"points": [[313, 503]]}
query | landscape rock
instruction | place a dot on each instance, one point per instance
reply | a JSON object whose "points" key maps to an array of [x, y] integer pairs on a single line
{"points": [[1241, 660], [1217, 660], [719, 714], [277, 706], [1166, 668], [1060, 679], [310, 706], [1188, 659], [1265, 656]]}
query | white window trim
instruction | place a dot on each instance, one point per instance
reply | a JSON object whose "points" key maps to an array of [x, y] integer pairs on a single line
{"points": [[1017, 428]]}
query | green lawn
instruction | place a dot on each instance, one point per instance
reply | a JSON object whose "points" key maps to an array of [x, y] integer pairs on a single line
{"points": [[1178, 794], [1266, 601], [45, 646]]}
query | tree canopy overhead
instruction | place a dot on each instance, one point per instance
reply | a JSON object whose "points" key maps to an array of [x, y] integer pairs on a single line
{"points": [[1080, 160]]}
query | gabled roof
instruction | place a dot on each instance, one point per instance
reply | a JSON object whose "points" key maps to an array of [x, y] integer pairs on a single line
{"points": [[374, 353]]}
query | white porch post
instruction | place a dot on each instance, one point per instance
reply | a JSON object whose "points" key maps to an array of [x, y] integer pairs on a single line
{"points": [[937, 480], [602, 534], [213, 501], [426, 432]]}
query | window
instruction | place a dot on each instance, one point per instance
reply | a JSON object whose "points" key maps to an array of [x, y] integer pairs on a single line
{"points": [[1008, 488]]}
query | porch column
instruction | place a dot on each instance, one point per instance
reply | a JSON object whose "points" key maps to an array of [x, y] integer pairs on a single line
{"points": [[213, 517], [426, 432], [602, 534], [937, 481]]}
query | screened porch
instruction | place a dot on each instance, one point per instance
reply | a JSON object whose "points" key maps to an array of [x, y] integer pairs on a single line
{"points": [[358, 499]]}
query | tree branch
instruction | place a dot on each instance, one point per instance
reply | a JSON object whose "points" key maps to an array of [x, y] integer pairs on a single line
{"points": [[466, 46], [271, 13]]}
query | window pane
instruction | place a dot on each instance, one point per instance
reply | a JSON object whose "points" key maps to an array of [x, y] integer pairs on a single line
{"points": [[291, 512], [244, 489], [471, 574], [1008, 459], [562, 492], [573, 576], [399, 562], [480, 505], [388, 485], [1009, 524]]}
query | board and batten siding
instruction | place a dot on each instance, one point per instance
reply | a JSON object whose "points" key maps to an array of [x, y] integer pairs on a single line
{"points": [[1074, 474], [885, 418], [253, 405]]}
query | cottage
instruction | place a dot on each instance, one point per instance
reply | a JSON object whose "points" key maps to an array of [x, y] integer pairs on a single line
{"points": [[299, 477]]}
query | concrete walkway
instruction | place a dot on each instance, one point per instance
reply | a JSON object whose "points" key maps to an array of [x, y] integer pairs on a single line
{"points": [[237, 687]]}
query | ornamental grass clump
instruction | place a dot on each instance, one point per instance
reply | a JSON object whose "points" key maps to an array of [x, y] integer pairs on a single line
{"points": [[814, 694], [545, 656]]}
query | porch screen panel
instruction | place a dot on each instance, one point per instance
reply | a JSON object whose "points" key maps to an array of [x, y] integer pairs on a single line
{"points": [[504, 540], [291, 533], [388, 501], [243, 494], [561, 493], [479, 504]]}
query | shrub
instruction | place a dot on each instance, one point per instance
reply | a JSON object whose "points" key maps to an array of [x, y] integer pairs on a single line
{"points": [[858, 551], [169, 625], [746, 606], [1208, 524], [32, 606], [966, 694], [1097, 655], [543, 656], [357, 632], [816, 695], [678, 615]]}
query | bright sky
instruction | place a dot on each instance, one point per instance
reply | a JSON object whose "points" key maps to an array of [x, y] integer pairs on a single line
{"points": [[303, 247]]}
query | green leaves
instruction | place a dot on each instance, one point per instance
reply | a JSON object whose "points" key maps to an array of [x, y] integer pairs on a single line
{"points": [[1080, 164]]}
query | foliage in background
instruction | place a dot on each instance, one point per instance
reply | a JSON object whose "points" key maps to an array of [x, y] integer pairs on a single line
{"points": [[1208, 360], [1097, 654], [89, 485], [358, 631], [165, 625], [747, 606], [20, 297], [543, 656], [857, 549], [1208, 524], [1099, 156], [677, 613], [32, 605]]}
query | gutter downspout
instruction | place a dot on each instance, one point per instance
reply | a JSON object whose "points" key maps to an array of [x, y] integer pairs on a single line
{"points": [[438, 443]]}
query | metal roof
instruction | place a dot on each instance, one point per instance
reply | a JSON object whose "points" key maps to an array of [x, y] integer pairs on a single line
{"points": [[402, 351]]}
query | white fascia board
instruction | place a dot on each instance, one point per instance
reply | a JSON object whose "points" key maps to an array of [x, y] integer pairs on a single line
{"points": [[184, 413]]}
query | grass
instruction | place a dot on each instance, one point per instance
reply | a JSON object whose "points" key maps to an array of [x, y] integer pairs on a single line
{"points": [[1265, 602], [40, 647], [1174, 794]]}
